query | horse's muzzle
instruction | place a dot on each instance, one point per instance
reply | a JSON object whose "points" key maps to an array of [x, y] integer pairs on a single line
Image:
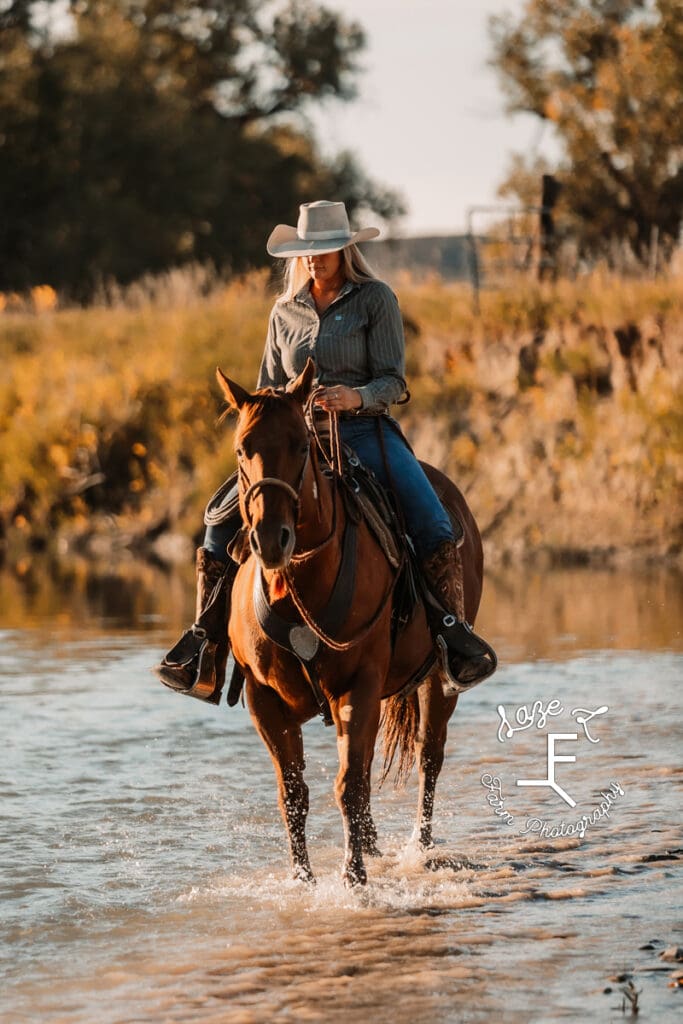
{"points": [[272, 546]]}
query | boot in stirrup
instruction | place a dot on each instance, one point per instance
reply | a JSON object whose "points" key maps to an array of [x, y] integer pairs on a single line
{"points": [[196, 665], [466, 659]]}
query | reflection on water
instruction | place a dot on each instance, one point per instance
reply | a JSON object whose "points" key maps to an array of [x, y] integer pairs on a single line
{"points": [[145, 874], [128, 595], [540, 614], [531, 613]]}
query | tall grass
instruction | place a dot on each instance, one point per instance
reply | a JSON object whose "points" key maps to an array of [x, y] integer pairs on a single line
{"points": [[113, 408]]}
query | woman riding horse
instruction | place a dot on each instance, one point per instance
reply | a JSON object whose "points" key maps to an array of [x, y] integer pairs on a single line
{"points": [[334, 310]]}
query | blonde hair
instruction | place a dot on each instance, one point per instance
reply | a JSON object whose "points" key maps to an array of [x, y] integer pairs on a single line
{"points": [[355, 266]]}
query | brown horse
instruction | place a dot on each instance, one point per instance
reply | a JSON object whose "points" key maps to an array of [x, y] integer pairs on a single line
{"points": [[295, 520]]}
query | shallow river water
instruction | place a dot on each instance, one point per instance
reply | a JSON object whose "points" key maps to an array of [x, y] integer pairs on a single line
{"points": [[145, 875]]}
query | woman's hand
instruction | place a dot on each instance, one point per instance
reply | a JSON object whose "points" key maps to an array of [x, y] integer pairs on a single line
{"points": [[338, 399]]}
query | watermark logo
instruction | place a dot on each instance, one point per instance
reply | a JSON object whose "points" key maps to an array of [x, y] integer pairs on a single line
{"points": [[538, 715], [553, 759]]}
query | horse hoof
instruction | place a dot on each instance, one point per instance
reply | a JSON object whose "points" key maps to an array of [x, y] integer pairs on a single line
{"points": [[352, 879], [372, 851], [422, 840], [302, 874]]}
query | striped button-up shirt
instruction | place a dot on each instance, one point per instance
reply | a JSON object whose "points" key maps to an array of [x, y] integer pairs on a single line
{"points": [[357, 341]]}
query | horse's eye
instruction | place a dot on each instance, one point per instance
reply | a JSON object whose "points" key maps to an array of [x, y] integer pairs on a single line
{"points": [[239, 452], [304, 449]]}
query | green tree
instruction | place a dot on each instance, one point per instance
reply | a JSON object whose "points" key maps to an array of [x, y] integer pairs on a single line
{"points": [[608, 76], [138, 134]]}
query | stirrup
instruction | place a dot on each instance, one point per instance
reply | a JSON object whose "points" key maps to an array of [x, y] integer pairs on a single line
{"points": [[197, 654], [187, 649], [459, 638], [207, 686]]}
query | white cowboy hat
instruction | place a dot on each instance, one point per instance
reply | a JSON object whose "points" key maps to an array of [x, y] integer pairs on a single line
{"points": [[322, 227]]}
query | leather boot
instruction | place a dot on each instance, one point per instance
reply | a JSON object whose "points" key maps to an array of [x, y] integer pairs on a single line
{"points": [[195, 666], [466, 658]]}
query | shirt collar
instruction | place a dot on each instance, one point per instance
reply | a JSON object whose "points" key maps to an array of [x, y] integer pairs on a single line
{"points": [[304, 294]]}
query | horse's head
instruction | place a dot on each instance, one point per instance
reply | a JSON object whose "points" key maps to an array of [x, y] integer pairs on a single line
{"points": [[272, 444]]}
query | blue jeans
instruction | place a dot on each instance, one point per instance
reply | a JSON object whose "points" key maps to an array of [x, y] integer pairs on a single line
{"points": [[426, 519]]}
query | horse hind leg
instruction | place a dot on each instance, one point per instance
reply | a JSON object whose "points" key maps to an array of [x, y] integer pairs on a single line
{"points": [[349, 795], [435, 711], [282, 736], [368, 828]]}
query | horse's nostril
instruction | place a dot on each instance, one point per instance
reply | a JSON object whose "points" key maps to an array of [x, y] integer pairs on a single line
{"points": [[285, 535]]}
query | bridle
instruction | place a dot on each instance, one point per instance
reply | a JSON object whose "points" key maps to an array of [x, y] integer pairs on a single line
{"points": [[272, 481], [294, 492]]}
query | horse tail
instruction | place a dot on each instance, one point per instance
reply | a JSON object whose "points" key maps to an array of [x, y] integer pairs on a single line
{"points": [[399, 723]]}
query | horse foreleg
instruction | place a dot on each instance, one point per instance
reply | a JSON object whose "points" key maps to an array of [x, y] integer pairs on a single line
{"points": [[435, 710], [356, 716], [282, 736]]}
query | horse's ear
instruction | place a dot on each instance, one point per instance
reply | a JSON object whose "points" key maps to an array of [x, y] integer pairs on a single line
{"points": [[235, 395], [301, 387]]}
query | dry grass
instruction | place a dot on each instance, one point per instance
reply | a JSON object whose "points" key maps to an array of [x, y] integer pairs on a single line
{"points": [[121, 393], [107, 414]]}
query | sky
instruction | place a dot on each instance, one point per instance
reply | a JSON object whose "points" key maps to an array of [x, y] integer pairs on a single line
{"points": [[429, 120]]}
